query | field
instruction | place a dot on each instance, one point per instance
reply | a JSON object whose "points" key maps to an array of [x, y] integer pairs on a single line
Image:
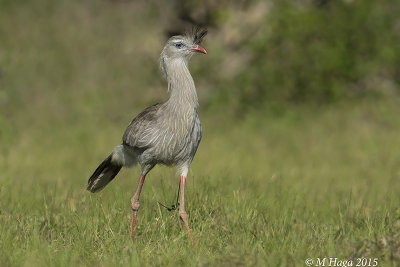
{"points": [[265, 192], [267, 187]]}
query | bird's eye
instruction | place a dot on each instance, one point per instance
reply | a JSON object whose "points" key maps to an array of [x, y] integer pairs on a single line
{"points": [[179, 45]]}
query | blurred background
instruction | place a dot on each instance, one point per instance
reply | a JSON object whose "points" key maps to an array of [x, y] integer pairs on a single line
{"points": [[296, 97], [72, 70], [70, 59]]}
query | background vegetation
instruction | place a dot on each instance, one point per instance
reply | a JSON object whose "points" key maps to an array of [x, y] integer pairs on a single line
{"points": [[299, 104]]}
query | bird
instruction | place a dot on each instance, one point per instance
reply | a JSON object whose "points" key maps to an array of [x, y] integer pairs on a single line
{"points": [[166, 133]]}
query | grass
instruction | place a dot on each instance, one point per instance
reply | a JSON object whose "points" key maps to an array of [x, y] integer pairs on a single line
{"points": [[265, 189], [271, 192]]}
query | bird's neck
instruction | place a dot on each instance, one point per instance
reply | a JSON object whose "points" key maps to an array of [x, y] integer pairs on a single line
{"points": [[180, 85]]}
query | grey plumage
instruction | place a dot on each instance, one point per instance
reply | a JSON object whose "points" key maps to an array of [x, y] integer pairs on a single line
{"points": [[167, 133]]}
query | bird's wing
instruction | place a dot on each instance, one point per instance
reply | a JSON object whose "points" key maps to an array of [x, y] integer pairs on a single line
{"points": [[138, 133]]}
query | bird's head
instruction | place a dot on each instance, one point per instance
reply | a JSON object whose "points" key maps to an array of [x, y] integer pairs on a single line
{"points": [[184, 46]]}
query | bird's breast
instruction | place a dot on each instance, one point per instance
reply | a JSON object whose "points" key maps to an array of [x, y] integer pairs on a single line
{"points": [[178, 138]]}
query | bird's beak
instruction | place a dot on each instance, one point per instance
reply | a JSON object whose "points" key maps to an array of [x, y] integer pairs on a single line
{"points": [[199, 49]]}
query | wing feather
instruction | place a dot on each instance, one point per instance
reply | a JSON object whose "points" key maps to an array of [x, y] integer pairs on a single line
{"points": [[138, 133]]}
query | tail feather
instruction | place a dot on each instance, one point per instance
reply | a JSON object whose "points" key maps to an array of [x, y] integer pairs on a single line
{"points": [[104, 174]]}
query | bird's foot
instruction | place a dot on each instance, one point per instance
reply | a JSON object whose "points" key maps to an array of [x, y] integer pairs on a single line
{"points": [[183, 216], [133, 224], [135, 207]]}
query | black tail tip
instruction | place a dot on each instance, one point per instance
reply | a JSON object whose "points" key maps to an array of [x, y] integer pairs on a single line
{"points": [[90, 189], [106, 172]]}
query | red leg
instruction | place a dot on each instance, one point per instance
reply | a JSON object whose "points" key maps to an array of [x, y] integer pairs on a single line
{"points": [[182, 213], [135, 204]]}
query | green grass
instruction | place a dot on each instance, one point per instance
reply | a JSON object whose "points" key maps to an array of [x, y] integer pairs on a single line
{"points": [[266, 188], [265, 191]]}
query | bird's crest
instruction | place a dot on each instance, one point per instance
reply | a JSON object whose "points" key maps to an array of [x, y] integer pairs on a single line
{"points": [[197, 34]]}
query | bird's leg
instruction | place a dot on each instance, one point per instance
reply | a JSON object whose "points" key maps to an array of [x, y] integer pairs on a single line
{"points": [[135, 204], [182, 213]]}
